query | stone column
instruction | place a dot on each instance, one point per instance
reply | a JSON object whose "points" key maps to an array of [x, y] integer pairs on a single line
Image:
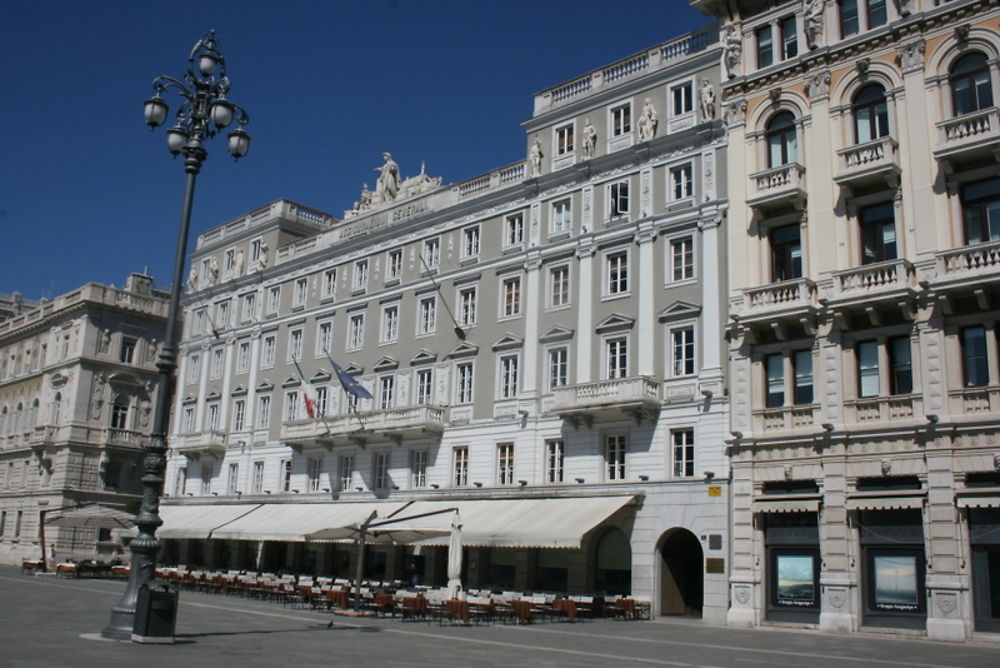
{"points": [[644, 278], [532, 309], [584, 312]]}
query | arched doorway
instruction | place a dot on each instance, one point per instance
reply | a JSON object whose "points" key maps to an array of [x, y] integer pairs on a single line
{"points": [[681, 574], [613, 563]]}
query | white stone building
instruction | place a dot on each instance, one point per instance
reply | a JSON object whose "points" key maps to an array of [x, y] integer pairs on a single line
{"points": [[546, 338]]}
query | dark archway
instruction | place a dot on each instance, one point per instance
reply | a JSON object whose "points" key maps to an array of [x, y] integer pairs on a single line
{"points": [[681, 574], [613, 563]]}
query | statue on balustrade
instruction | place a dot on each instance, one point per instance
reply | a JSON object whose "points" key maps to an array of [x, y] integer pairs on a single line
{"points": [[388, 180]]}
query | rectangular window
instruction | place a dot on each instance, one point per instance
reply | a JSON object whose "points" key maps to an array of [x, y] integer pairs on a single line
{"points": [[418, 468], [286, 475], [255, 249], [249, 306], [239, 414], [381, 470], [329, 283], [267, 352], [848, 18], [682, 258], [868, 376], [243, 357], [786, 253], [618, 199], [876, 13], [463, 383], [427, 315], [508, 376], [878, 233], [564, 139], [901, 365], [390, 323], [511, 296], [322, 400], [356, 331], [212, 421], [765, 47], [264, 411], [802, 365], [258, 477], [273, 299], [291, 406], [180, 489], [558, 367], [425, 386], [361, 275], [617, 264], [514, 230], [559, 286], [295, 345], [554, 459], [981, 211], [346, 473], [681, 182], [460, 470], [206, 477], [394, 266], [313, 467], [621, 120], [125, 355], [386, 392], [467, 306], [682, 351], [470, 242], [683, 441], [301, 291], [974, 360], [562, 217], [774, 371], [789, 38], [505, 463], [681, 99], [188, 424], [233, 479], [222, 315], [324, 337], [432, 253], [614, 456], [194, 368], [229, 260], [617, 353]]}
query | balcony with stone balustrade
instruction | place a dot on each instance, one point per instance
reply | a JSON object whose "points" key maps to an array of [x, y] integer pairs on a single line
{"points": [[392, 424], [778, 187], [966, 268], [211, 443], [788, 420], [868, 162], [638, 396], [969, 136], [893, 409], [872, 287], [775, 304]]}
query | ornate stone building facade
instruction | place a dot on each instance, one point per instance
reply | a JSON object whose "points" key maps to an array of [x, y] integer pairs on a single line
{"points": [[545, 337], [77, 386], [863, 237]]}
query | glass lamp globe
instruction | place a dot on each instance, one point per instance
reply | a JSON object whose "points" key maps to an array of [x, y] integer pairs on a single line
{"points": [[155, 110], [177, 137], [239, 143]]}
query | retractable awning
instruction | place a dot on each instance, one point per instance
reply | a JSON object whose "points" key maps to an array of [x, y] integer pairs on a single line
{"points": [[885, 503], [978, 501], [293, 521], [786, 506], [198, 521], [545, 523]]}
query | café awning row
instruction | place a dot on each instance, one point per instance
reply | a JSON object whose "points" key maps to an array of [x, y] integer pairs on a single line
{"points": [[786, 506], [978, 501], [558, 523], [885, 503]]}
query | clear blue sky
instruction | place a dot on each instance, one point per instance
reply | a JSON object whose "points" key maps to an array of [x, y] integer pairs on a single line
{"points": [[88, 193]]}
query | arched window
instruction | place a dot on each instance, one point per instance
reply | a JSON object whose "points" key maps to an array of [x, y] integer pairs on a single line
{"points": [[54, 416], [19, 419], [970, 84], [871, 115], [119, 412], [33, 417], [782, 144]]}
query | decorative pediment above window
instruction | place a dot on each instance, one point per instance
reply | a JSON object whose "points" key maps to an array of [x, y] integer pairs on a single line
{"points": [[124, 379], [614, 322], [321, 376], [386, 364], [189, 399], [424, 356], [291, 381], [557, 333], [213, 396], [265, 386], [464, 349], [680, 310], [239, 391], [353, 369], [508, 341]]}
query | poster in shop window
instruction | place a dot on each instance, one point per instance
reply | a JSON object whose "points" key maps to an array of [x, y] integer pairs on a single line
{"points": [[795, 581], [896, 583]]}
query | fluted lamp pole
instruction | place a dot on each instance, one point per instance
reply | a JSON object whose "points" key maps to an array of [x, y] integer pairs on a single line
{"points": [[204, 112]]}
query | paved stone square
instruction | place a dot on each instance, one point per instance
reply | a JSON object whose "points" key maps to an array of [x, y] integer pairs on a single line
{"points": [[47, 621]]}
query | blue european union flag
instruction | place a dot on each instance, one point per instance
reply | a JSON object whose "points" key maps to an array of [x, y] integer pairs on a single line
{"points": [[350, 383]]}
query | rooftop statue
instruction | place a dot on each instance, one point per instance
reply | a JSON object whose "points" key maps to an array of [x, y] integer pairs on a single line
{"points": [[388, 180], [390, 187]]}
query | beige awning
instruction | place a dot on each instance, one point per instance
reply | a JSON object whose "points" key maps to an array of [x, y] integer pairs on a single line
{"points": [[198, 521], [885, 503], [978, 502], [293, 521], [545, 523], [786, 506]]}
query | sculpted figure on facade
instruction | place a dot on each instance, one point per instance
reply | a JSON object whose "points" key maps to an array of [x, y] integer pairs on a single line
{"points": [[193, 279], [388, 180], [813, 18], [732, 51], [535, 157], [263, 259], [707, 95], [213, 271], [647, 121], [239, 264], [589, 140]]}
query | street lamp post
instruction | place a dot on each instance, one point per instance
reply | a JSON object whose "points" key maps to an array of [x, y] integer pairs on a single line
{"points": [[204, 112]]}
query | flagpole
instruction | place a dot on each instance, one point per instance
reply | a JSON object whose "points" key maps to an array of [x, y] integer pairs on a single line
{"points": [[351, 407], [459, 332]]}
